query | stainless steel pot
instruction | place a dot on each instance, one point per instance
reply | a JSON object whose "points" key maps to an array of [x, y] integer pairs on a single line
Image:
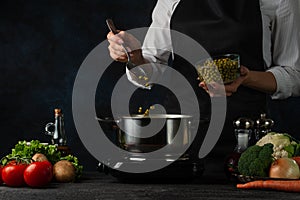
{"points": [[140, 133]]}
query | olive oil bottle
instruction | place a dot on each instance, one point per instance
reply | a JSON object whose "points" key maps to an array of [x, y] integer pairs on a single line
{"points": [[57, 131]]}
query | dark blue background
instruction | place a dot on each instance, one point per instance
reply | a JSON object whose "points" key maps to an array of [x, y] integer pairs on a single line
{"points": [[42, 45]]}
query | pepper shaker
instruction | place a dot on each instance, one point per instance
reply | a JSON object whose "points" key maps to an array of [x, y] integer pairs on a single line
{"points": [[262, 126]]}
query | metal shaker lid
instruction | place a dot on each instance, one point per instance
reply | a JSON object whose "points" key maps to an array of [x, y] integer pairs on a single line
{"points": [[262, 122], [243, 123]]}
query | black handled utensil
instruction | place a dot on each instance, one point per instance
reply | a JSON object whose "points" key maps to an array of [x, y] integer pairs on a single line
{"points": [[112, 26], [114, 30]]}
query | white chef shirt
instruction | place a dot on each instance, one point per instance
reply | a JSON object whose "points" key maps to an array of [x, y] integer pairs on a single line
{"points": [[281, 42]]}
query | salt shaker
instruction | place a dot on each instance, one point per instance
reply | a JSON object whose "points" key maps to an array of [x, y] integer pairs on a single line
{"points": [[243, 130]]}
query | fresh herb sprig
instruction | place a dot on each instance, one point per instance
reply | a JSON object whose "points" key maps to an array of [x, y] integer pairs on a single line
{"points": [[28, 149]]}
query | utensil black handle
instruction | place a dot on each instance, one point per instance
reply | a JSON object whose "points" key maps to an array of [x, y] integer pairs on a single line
{"points": [[111, 26]]}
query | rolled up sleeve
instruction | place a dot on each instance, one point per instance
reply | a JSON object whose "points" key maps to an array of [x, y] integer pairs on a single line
{"points": [[286, 49], [287, 80], [157, 45]]}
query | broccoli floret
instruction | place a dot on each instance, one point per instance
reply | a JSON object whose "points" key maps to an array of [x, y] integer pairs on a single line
{"points": [[257, 168], [266, 151], [247, 158], [256, 160]]}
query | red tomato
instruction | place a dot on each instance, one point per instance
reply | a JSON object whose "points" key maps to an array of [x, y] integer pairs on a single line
{"points": [[1, 174], [297, 159], [38, 174], [12, 174]]}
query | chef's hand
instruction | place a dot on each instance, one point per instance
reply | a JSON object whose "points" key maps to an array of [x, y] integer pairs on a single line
{"points": [[215, 89], [132, 45], [232, 87]]}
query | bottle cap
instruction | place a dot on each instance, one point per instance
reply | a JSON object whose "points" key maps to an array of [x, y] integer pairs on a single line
{"points": [[57, 111]]}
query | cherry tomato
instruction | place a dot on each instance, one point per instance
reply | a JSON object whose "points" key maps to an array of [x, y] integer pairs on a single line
{"points": [[12, 174], [38, 174]]}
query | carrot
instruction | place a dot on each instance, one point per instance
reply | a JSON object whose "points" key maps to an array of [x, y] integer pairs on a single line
{"points": [[282, 185]]}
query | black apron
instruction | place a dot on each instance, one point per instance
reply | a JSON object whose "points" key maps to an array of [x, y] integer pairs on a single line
{"points": [[223, 26], [286, 114]]}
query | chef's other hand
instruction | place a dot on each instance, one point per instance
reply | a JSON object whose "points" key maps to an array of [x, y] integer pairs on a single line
{"points": [[132, 45], [214, 89], [232, 87]]}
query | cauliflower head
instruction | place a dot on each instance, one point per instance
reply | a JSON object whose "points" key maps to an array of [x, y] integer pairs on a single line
{"points": [[282, 144]]}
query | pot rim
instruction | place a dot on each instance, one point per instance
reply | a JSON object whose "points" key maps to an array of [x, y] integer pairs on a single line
{"points": [[156, 116]]}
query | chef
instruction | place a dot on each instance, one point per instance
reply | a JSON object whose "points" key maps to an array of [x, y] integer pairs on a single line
{"points": [[266, 35]]}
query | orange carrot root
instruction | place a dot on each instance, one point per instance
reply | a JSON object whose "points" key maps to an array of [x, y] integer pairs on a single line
{"points": [[251, 185], [282, 185]]}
